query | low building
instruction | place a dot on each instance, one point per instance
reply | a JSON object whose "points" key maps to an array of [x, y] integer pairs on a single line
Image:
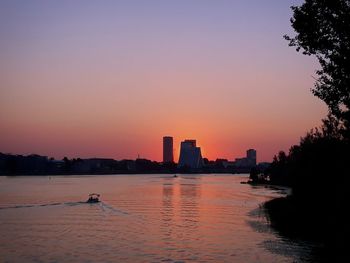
{"points": [[246, 162]]}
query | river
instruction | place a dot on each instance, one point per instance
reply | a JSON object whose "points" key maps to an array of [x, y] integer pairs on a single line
{"points": [[141, 218]]}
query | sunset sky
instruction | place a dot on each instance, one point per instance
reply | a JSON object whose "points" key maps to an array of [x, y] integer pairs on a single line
{"points": [[111, 78]]}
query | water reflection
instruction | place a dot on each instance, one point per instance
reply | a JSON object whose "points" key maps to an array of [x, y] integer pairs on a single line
{"points": [[180, 202], [180, 219], [167, 209], [190, 195]]}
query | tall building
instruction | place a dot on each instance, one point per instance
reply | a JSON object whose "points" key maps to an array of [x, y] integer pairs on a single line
{"points": [[168, 155], [190, 155], [251, 155]]}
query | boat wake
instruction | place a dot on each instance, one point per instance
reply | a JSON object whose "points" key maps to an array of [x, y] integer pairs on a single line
{"points": [[104, 207], [42, 205], [108, 208]]}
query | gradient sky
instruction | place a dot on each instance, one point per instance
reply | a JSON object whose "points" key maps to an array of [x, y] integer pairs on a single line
{"points": [[110, 78]]}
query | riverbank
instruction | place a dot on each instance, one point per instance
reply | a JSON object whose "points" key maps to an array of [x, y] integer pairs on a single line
{"points": [[322, 224]]}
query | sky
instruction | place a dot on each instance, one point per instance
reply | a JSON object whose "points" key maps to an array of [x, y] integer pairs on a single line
{"points": [[111, 78]]}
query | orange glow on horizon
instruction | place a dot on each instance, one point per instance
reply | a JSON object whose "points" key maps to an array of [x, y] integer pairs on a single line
{"points": [[83, 84]]}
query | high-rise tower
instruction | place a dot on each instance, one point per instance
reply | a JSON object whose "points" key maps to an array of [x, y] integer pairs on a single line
{"points": [[168, 155], [251, 156], [190, 155]]}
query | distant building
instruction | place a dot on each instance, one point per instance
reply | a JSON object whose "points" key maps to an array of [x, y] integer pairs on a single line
{"points": [[190, 155], [243, 162], [168, 155], [251, 155], [248, 161]]}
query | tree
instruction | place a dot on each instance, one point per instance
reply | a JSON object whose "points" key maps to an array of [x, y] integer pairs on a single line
{"points": [[323, 30]]}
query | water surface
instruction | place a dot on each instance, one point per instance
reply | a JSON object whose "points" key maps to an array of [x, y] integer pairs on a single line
{"points": [[142, 218]]}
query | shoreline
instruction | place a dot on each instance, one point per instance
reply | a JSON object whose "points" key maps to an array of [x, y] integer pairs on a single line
{"points": [[125, 173], [304, 220]]}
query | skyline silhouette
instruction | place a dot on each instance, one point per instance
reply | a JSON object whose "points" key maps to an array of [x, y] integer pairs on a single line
{"points": [[190, 153]]}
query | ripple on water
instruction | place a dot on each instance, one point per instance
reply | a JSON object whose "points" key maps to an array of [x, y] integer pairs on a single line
{"points": [[141, 218]]}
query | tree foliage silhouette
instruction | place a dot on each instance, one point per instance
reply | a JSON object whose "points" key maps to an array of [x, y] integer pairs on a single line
{"points": [[323, 30], [318, 168]]}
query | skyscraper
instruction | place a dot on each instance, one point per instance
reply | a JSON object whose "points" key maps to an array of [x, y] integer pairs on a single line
{"points": [[251, 156], [168, 149], [190, 155]]}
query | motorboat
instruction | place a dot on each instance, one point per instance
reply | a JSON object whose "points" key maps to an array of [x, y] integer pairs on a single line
{"points": [[93, 198]]}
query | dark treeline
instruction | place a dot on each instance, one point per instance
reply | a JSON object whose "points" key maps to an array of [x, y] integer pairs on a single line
{"points": [[318, 172], [42, 165], [321, 158], [318, 169]]}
